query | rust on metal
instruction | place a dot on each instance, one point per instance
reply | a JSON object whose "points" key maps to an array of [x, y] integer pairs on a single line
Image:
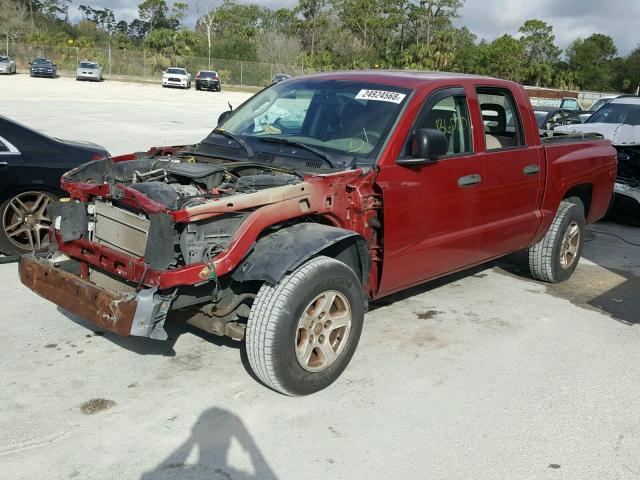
{"points": [[105, 309]]}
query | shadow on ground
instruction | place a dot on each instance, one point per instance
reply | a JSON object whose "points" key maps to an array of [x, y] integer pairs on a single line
{"points": [[146, 346], [600, 286], [211, 437]]}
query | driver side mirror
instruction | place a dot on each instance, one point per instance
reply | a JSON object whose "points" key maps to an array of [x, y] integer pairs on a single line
{"points": [[426, 146], [223, 116]]}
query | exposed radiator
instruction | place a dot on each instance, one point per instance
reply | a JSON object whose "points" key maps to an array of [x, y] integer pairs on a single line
{"points": [[120, 229]]}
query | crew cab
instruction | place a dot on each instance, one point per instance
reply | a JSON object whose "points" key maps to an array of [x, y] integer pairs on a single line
{"points": [[316, 196]]}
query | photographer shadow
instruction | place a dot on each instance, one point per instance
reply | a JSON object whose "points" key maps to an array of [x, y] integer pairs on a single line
{"points": [[211, 436]]}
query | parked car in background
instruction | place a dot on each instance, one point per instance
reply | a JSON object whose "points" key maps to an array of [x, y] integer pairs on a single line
{"points": [[32, 164], [619, 121], [566, 103], [176, 77], [208, 80], [89, 71], [314, 197], [43, 67], [7, 66], [279, 77], [597, 105], [548, 118]]}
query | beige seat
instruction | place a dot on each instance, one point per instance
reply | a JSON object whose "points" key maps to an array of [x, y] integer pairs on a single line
{"points": [[495, 142]]}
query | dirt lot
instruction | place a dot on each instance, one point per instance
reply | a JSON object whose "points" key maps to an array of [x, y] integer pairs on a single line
{"points": [[482, 375]]}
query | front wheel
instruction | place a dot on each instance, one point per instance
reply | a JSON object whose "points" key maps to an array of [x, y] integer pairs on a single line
{"points": [[303, 331], [554, 258], [25, 222]]}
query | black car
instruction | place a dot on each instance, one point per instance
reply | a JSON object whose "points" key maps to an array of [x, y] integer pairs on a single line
{"points": [[208, 80], [279, 77], [32, 164], [43, 67]]}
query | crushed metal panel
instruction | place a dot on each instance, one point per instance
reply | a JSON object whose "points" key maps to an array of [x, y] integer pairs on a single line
{"points": [[121, 230], [112, 312]]}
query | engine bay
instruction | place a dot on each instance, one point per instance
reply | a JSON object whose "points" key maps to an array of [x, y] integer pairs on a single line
{"points": [[179, 182]]}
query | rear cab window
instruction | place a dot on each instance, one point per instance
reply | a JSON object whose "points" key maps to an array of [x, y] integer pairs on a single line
{"points": [[501, 119]]}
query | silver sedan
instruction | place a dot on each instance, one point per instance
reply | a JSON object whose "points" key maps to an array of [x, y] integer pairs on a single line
{"points": [[7, 66], [89, 71]]}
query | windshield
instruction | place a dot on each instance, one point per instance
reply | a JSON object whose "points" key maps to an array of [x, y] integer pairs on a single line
{"points": [[208, 74], [4, 58], [178, 71], [338, 117], [88, 65], [599, 103], [626, 112], [41, 61]]}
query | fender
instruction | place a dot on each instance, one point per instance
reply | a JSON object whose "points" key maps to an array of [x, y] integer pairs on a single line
{"points": [[282, 251]]}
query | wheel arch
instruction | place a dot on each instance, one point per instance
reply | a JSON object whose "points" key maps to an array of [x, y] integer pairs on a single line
{"points": [[17, 189], [584, 192], [281, 251]]}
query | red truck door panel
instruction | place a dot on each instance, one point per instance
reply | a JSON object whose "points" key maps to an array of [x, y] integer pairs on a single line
{"points": [[432, 213], [514, 174]]}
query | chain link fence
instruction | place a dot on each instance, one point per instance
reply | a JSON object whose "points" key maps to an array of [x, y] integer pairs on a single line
{"points": [[149, 66]]}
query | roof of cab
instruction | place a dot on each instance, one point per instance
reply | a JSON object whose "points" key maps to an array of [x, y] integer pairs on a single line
{"points": [[406, 78]]}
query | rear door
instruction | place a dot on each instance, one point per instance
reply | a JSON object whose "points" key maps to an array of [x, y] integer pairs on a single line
{"points": [[514, 172], [432, 213]]}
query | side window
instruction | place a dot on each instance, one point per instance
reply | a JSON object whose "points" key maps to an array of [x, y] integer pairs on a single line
{"points": [[451, 116], [571, 104], [3, 148], [502, 124]]}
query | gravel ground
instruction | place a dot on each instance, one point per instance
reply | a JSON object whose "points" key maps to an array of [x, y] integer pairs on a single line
{"points": [[482, 375]]}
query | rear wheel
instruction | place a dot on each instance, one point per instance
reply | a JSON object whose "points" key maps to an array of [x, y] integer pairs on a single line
{"points": [[25, 222], [303, 331], [554, 258]]}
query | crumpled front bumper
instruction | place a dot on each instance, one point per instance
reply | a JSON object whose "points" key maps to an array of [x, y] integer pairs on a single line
{"points": [[142, 314]]}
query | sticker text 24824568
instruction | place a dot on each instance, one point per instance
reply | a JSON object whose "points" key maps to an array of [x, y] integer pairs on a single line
{"points": [[380, 95]]}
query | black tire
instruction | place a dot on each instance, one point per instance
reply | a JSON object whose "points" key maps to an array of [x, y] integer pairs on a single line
{"points": [[8, 217], [273, 327], [548, 259]]}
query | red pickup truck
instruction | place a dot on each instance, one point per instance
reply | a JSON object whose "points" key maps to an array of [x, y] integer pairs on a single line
{"points": [[319, 194]]}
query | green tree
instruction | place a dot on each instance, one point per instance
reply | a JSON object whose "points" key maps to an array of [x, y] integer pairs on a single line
{"points": [[591, 60], [153, 13], [540, 50], [13, 20], [504, 58]]}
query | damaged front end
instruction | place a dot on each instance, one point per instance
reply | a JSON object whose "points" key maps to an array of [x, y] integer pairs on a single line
{"points": [[626, 202], [145, 236]]}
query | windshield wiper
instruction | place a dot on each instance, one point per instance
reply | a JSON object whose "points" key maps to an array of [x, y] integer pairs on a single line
{"points": [[293, 143], [248, 150]]}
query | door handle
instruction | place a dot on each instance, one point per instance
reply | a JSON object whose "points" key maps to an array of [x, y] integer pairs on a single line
{"points": [[469, 180], [531, 169]]}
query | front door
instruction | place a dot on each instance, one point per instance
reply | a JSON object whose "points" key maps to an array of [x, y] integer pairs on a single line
{"points": [[432, 213]]}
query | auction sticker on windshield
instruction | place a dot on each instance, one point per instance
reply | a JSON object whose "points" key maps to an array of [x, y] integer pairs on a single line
{"points": [[380, 96]]}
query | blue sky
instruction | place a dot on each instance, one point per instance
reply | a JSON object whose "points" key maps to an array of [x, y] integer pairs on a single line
{"points": [[492, 18]]}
